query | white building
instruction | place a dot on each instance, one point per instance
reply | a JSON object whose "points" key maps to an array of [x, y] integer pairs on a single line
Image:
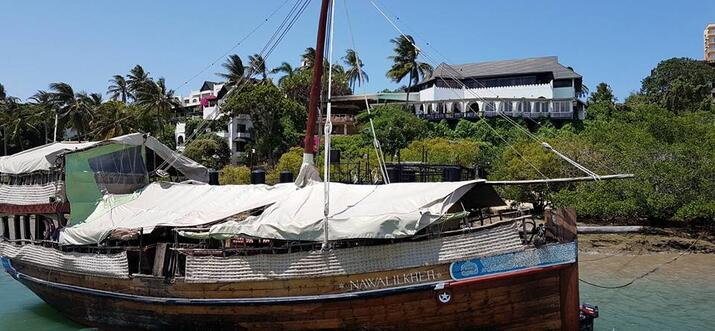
{"points": [[204, 103], [532, 88]]}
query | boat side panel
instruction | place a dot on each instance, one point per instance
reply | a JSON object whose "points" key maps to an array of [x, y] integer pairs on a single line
{"points": [[523, 302]]}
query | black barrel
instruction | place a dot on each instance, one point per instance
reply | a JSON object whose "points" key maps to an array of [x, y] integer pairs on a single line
{"points": [[394, 173], [286, 176], [451, 174], [334, 156], [258, 176], [213, 177]]}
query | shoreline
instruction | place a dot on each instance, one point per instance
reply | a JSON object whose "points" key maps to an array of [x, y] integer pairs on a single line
{"points": [[669, 241]]}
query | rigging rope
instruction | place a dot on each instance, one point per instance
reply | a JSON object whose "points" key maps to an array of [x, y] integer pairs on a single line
{"points": [[293, 15], [607, 287], [375, 142], [328, 131]]}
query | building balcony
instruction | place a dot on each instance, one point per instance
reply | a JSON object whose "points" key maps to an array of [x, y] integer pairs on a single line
{"points": [[340, 119], [447, 116], [243, 136]]}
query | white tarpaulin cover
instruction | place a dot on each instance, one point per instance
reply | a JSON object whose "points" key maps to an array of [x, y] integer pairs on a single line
{"points": [[43, 158], [356, 211]]}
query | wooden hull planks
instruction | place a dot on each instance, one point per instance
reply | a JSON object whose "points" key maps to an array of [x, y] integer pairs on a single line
{"points": [[519, 296]]}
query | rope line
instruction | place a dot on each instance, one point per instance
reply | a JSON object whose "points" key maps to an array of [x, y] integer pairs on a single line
{"points": [[291, 18], [607, 287], [375, 142]]}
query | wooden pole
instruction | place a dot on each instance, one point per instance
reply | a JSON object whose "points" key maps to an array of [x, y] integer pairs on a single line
{"points": [[317, 80]]}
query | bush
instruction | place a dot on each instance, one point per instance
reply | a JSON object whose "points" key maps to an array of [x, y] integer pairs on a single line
{"points": [[235, 175], [209, 150]]}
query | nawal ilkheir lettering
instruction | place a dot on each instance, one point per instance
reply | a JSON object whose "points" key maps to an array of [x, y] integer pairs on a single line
{"points": [[394, 280]]}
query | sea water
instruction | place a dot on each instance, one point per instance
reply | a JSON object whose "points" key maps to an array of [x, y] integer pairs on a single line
{"points": [[678, 296]]}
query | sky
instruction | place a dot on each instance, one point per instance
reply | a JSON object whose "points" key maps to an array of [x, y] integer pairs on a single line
{"points": [[85, 42]]}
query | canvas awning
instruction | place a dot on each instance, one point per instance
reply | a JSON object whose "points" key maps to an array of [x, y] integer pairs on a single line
{"points": [[44, 158], [291, 213]]}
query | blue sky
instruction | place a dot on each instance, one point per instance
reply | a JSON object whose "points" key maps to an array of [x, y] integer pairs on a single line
{"points": [[85, 42]]}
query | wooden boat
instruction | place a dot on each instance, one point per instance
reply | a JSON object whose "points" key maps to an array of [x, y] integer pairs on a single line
{"points": [[497, 282], [447, 264]]}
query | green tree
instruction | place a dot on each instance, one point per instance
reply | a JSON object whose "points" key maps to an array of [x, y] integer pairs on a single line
{"points": [[257, 67], [43, 107], [137, 80], [394, 127], [355, 73], [118, 88], [278, 122], [297, 86], [209, 150], [442, 151], [75, 109], [235, 175], [406, 64], [235, 71], [680, 84], [286, 69], [155, 98], [308, 58], [603, 95], [112, 119]]}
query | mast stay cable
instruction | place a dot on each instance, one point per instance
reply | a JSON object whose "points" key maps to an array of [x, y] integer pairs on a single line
{"points": [[328, 132], [288, 22], [375, 142]]}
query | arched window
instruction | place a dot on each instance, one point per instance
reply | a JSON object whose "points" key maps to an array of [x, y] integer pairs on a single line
{"points": [[180, 140], [455, 107], [524, 106], [507, 106], [489, 106], [474, 107]]}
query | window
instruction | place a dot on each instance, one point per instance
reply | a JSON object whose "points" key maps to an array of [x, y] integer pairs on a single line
{"points": [[489, 106], [562, 106], [541, 107], [563, 83], [240, 127], [507, 106], [474, 107], [524, 106]]}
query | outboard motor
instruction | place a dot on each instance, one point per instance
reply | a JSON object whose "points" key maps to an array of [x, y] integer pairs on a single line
{"points": [[587, 313]]}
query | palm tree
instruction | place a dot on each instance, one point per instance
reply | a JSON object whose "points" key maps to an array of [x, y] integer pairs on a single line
{"points": [[235, 70], [136, 79], [73, 108], [406, 64], [257, 66], [113, 119], [157, 98], [118, 88], [285, 68], [308, 58], [18, 119], [355, 73], [44, 108]]}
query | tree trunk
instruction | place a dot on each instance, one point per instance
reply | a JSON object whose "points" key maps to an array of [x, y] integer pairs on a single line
{"points": [[4, 140], [407, 97]]}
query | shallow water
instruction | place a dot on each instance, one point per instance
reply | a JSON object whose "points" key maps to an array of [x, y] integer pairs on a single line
{"points": [[678, 296]]}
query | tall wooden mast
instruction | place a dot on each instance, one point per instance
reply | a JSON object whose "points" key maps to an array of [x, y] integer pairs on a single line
{"points": [[317, 80]]}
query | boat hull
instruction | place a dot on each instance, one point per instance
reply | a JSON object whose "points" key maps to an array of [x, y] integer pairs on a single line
{"points": [[530, 299]]}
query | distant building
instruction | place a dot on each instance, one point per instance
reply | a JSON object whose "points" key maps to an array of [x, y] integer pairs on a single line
{"points": [[204, 103], [709, 38], [532, 88]]}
